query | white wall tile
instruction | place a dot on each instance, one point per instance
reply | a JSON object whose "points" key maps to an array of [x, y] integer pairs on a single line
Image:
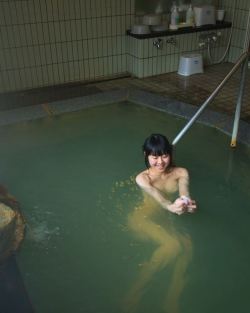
{"points": [[83, 39]]}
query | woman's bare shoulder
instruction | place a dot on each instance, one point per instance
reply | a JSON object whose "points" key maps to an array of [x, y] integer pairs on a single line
{"points": [[180, 171], [142, 178]]}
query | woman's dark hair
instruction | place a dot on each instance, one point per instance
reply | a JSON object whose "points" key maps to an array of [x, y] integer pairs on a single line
{"points": [[157, 144]]}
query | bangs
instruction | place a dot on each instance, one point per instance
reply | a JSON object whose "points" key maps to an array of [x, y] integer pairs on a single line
{"points": [[157, 146], [157, 150]]}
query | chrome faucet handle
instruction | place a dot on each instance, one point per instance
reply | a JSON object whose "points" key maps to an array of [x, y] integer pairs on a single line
{"points": [[158, 43], [172, 41]]}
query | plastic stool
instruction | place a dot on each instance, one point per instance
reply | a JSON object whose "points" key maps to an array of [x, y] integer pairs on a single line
{"points": [[190, 64]]}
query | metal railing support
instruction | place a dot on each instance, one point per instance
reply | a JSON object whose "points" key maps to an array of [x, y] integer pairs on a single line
{"points": [[241, 59], [239, 103], [242, 84]]}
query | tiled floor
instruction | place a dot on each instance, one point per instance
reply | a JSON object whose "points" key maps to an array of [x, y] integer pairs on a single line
{"points": [[193, 89]]}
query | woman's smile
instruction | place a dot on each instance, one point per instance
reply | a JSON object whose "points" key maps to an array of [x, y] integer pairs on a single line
{"points": [[160, 162]]}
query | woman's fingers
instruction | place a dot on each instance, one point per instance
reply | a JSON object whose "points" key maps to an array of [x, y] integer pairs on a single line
{"points": [[191, 208], [181, 207]]}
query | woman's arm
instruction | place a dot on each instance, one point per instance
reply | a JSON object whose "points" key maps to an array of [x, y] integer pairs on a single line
{"points": [[177, 207], [183, 182], [184, 189]]}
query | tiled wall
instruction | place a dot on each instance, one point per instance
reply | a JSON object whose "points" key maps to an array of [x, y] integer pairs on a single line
{"points": [[239, 25], [49, 42]]}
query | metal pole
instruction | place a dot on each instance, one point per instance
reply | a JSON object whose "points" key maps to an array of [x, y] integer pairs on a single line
{"points": [[239, 102], [242, 86], [210, 98]]}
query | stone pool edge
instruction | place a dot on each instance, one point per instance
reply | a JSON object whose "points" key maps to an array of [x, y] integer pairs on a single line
{"points": [[162, 103]]}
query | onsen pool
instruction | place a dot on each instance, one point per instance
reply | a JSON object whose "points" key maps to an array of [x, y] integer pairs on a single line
{"points": [[74, 177]]}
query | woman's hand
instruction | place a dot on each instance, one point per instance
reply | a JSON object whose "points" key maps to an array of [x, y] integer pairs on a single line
{"points": [[182, 205], [189, 203], [191, 208], [178, 206]]}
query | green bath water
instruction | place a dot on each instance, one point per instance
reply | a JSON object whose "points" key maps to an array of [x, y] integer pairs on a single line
{"points": [[74, 177]]}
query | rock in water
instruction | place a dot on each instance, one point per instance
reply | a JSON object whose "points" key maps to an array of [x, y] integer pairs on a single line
{"points": [[11, 228]]}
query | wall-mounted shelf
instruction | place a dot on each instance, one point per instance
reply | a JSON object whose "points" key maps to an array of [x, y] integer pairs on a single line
{"points": [[183, 30]]}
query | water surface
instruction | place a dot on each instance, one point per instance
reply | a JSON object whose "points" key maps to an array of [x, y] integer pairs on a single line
{"points": [[74, 177]]}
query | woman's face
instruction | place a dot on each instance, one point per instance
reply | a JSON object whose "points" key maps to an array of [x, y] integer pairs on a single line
{"points": [[159, 163]]}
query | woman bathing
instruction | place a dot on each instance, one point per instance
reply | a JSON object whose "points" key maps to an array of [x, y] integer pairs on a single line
{"points": [[160, 182], [161, 177]]}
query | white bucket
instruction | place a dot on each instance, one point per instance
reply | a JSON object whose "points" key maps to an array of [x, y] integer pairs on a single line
{"points": [[190, 64]]}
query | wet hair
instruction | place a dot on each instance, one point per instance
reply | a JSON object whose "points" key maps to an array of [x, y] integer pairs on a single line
{"points": [[157, 145]]}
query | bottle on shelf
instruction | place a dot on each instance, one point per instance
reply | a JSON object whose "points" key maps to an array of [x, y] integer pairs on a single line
{"points": [[190, 16], [174, 20]]}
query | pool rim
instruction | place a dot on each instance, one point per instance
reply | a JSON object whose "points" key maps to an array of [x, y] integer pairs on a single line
{"points": [[218, 120]]}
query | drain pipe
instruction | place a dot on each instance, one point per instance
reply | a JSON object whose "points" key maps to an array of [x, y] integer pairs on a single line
{"points": [[242, 86]]}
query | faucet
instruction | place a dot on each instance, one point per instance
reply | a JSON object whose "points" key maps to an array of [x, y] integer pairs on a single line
{"points": [[172, 41], [202, 44], [206, 39], [158, 43]]}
